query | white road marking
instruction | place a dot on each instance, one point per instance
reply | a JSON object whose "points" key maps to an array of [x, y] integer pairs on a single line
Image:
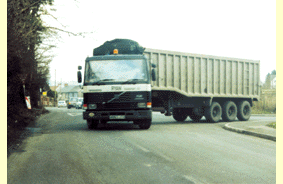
{"points": [[141, 148], [156, 153], [191, 179], [164, 156]]}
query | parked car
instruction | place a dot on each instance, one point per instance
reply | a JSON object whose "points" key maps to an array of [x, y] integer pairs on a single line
{"points": [[72, 102], [62, 104], [80, 103]]}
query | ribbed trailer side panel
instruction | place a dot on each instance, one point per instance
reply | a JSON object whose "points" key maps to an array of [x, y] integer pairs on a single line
{"points": [[203, 75]]}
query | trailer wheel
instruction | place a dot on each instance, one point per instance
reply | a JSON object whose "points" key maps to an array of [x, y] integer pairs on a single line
{"points": [[213, 113], [179, 115], [195, 118], [244, 111], [92, 124], [144, 124], [229, 111]]}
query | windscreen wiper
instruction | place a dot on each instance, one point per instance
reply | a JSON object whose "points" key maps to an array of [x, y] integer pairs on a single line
{"points": [[99, 82], [132, 81]]}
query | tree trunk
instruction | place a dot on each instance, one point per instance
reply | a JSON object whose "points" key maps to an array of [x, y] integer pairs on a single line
{"points": [[34, 89], [15, 90]]}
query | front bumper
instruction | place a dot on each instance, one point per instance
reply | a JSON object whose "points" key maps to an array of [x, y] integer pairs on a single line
{"points": [[130, 115]]}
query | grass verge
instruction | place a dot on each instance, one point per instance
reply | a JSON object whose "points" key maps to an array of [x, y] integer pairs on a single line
{"points": [[262, 111], [272, 125]]}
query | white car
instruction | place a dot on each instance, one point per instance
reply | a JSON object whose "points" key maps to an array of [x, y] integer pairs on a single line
{"points": [[62, 104]]}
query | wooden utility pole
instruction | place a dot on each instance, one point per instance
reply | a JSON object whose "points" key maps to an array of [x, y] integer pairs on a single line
{"points": [[60, 89], [55, 91]]}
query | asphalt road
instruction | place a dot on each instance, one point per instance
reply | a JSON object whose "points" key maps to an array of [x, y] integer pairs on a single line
{"points": [[63, 150]]}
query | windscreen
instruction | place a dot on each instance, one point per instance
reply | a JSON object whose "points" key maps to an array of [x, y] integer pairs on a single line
{"points": [[116, 71], [74, 99]]}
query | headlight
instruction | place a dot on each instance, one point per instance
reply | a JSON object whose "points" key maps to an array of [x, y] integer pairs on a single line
{"points": [[141, 105], [92, 106]]}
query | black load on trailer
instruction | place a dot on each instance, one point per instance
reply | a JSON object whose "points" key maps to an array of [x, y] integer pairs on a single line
{"points": [[124, 46]]}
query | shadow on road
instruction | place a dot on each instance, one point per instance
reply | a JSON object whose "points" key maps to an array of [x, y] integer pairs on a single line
{"points": [[183, 122], [116, 126], [131, 126]]}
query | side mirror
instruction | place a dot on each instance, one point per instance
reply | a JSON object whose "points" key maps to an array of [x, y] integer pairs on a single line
{"points": [[79, 77], [153, 75]]}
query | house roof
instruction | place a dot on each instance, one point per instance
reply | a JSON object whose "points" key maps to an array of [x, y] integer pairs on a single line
{"points": [[53, 88], [70, 89]]}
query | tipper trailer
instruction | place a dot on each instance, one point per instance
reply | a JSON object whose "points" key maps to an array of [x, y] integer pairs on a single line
{"points": [[197, 85], [126, 82]]}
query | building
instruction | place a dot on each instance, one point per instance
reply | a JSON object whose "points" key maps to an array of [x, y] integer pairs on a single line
{"points": [[53, 88], [66, 92]]}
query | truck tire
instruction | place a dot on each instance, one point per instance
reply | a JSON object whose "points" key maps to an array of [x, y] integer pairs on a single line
{"points": [[143, 124], [229, 111], [244, 111], [92, 124], [179, 115], [195, 118], [213, 113]]}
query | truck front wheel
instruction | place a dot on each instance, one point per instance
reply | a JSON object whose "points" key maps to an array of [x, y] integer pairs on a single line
{"points": [[244, 111], [143, 124], [179, 115], [213, 113], [92, 124]]}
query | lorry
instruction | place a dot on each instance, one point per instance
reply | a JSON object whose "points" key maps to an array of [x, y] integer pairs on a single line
{"points": [[173, 83], [72, 102]]}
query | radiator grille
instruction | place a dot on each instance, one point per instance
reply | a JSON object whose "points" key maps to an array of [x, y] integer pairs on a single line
{"points": [[120, 106]]}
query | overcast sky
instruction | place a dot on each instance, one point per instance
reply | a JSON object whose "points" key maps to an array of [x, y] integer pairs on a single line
{"points": [[240, 29]]}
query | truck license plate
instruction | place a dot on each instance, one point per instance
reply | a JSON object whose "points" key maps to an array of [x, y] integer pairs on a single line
{"points": [[117, 117]]}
